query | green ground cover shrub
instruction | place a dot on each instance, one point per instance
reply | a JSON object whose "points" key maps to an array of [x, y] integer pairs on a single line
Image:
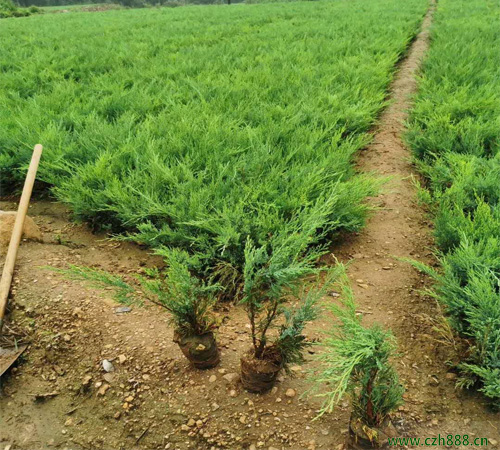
{"points": [[455, 133], [9, 9], [201, 127]]}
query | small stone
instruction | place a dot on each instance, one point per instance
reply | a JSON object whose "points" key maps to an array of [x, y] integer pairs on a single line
{"points": [[129, 399], [107, 366], [212, 379], [67, 338], [69, 422], [233, 393], [278, 400], [231, 377], [191, 423], [199, 423], [243, 419], [109, 377], [102, 390], [451, 376], [493, 441], [215, 406], [86, 380], [117, 415], [122, 359], [363, 285], [185, 428], [290, 393]]}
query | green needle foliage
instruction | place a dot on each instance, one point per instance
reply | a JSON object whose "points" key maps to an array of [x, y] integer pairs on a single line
{"points": [[273, 277], [124, 293], [356, 363], [189, 301], [455, 132], [199, 127]]}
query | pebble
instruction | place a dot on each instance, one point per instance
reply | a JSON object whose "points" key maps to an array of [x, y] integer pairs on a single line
{"points": [[212, 379], [102, 390], [290, 393], [107, 366], [233, 393], [231, 377], [109, 377], [191, 423]]}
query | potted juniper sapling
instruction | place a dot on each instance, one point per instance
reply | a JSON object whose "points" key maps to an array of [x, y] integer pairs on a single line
{"points": [[272, 278], [189, 301], [356, 363]]}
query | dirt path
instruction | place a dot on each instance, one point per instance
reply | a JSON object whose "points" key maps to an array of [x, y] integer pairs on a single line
{"points": [[154, 400]]}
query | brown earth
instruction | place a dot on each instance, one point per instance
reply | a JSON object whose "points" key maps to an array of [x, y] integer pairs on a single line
{"points": [[58, 395]]}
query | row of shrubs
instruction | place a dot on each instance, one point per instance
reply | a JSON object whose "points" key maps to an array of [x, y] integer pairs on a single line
{"points": [[9, 9], [455, 134]]}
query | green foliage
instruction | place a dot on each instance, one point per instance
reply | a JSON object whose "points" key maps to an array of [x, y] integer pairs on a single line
{"points": [[454, 131], [188, 300], [124, 293], [9, 9], [356, 362], [272, 273], [197, 128]]}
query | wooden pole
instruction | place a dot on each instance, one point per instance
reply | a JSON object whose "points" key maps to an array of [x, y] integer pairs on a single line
{"points": [[17, 231]]}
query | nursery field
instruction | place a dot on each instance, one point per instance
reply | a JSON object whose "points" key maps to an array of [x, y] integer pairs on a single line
{"points": [[202, 127], [455, 134], [260, 154]]}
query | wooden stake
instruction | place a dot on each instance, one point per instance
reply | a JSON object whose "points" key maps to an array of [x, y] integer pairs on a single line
{"points": [[17, 231]]}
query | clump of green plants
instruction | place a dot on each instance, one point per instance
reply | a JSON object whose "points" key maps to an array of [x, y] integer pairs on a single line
{"points": [[273, 277], [356, 362], [188, 300], [454, 132], [9, 9]]}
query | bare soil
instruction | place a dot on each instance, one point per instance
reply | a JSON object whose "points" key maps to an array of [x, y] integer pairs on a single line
{"points": [[59, 396]]}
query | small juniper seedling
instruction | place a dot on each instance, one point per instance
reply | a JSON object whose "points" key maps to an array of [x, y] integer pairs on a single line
{"points": [[189, 301], [356, 363]]}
